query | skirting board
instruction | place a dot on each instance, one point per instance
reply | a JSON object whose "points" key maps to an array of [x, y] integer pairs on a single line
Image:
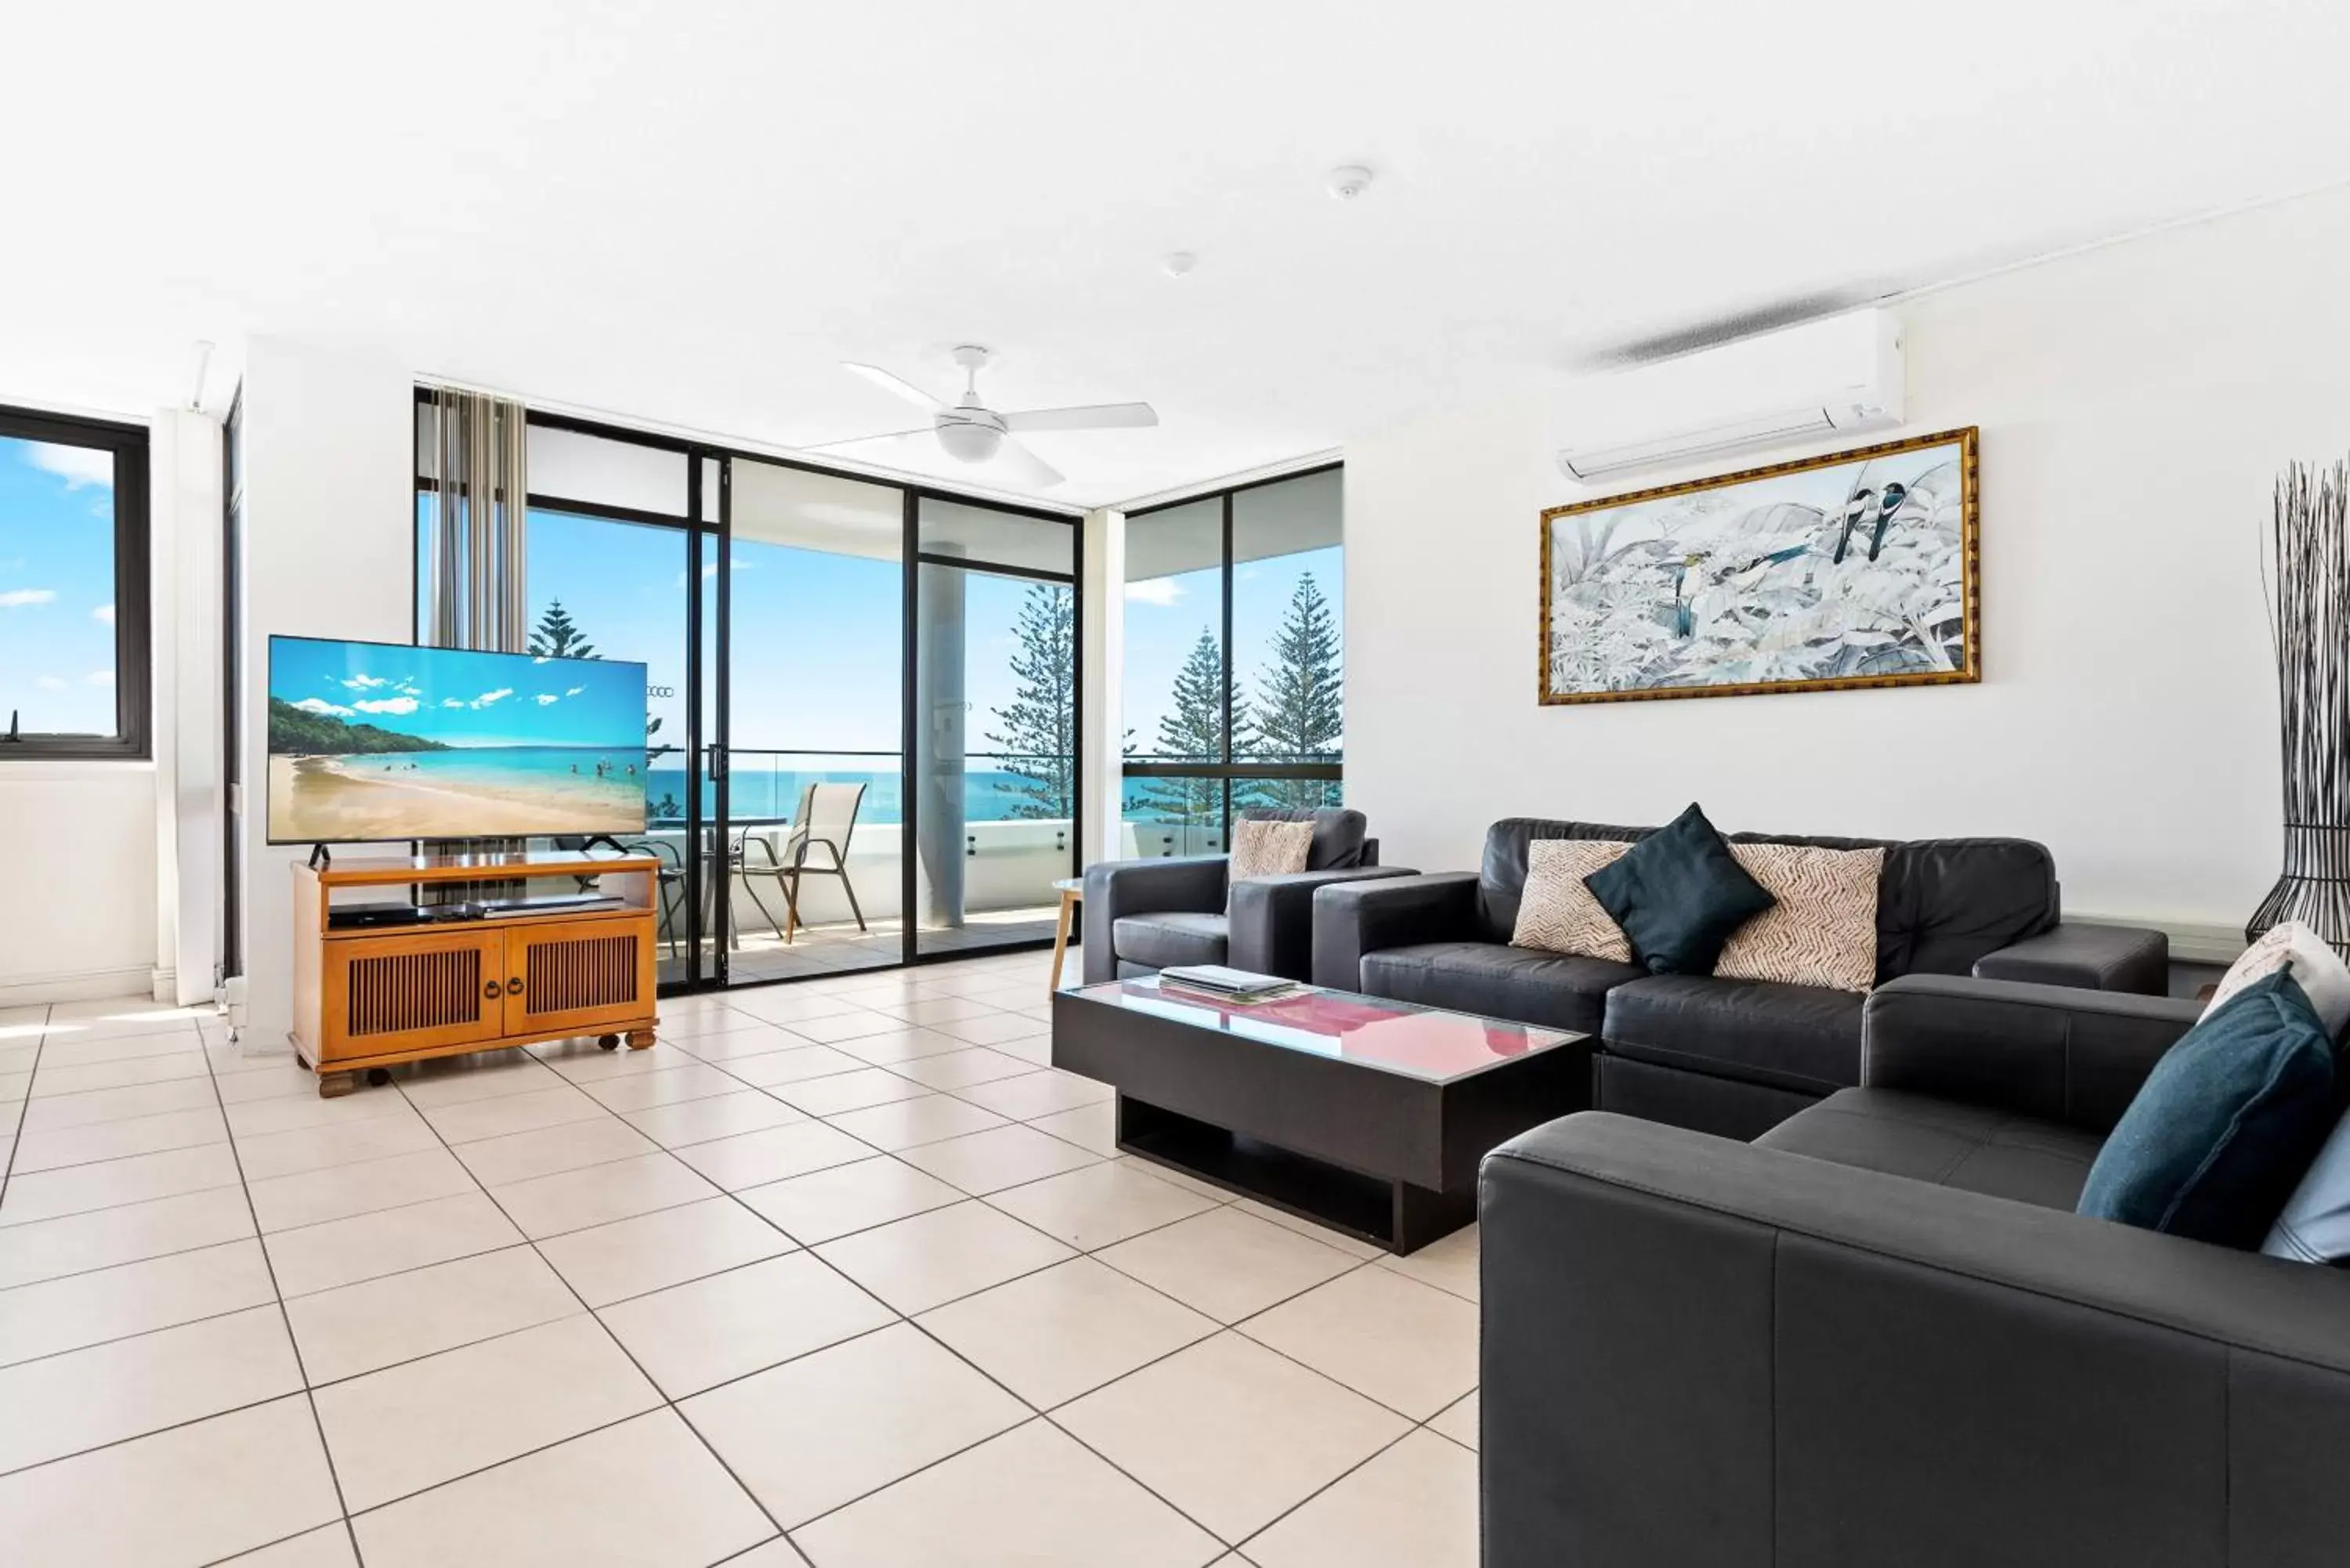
{"points": [[93, 985]]}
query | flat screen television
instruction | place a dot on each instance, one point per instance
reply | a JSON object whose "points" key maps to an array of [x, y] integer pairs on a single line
{"points": [[375, 740]]}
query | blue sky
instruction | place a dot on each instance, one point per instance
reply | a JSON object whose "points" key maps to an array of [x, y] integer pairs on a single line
{"points": [[1164, 617], [462, 699], [56, 587], [819, 637]]}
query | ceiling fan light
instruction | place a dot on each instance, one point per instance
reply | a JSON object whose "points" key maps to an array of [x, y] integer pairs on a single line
{"points": [[970, 442]]}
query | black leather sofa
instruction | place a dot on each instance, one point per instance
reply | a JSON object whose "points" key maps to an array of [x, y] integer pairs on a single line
{"points": [[1140, 916], [1728, 1056], [1879, 1335]]}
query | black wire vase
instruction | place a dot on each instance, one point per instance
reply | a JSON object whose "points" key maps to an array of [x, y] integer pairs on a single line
{"points": [[2308, 625]]}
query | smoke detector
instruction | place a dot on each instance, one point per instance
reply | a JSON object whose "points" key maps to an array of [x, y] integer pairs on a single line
{"points": [[1348, 181], [1179, 264]]}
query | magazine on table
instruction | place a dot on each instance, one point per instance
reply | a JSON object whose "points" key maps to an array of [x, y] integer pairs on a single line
{"points": [[1216, 983]]}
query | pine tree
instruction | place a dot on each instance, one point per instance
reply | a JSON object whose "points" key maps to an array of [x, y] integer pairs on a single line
{"points": [[556, 636], [1300, 712], [1192, 731], [1039, 739]]}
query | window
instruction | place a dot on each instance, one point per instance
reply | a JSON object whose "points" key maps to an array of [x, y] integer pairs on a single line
{"points": [[1234, 658], [73, 587]]}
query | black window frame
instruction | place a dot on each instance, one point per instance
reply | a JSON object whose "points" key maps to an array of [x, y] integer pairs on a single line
{"points": [[1231, 768], [133, 737], [709, 521]]}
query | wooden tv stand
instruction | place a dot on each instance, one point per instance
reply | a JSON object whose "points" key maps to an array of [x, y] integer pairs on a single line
{"points": [[372, 997]]}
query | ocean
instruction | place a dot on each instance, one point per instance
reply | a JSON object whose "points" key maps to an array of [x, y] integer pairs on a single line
{"points": [[988, 795]]}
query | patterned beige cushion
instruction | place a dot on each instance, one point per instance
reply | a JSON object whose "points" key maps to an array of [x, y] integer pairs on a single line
{"points": [[1557, 913], [1823, 930], [2316, 968], [1269, 849]]}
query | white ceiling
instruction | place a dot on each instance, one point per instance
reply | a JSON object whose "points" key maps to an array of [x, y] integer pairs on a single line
{"points": [[689, 213]]}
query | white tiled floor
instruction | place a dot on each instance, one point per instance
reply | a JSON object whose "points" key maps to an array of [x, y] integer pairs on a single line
{"points": [[839, 1273]]}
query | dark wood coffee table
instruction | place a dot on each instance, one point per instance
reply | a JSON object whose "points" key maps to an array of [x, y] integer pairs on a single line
{"points": [[1362, 1114]]}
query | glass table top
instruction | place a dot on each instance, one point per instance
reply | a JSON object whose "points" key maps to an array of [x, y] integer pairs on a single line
{"points": [[1402, 1037]]}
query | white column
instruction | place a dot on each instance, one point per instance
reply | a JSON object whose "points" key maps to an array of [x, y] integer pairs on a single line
{"points": [[329, 550], [1103, 661], [184, 457]]}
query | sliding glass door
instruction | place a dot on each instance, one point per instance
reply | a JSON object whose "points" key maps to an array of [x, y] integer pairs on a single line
{"points": [[860, 730], [813, 722], [996, 639]]}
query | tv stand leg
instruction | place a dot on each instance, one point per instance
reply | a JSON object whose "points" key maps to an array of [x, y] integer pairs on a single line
{"points": [[641, 1040], [335, 1085]]}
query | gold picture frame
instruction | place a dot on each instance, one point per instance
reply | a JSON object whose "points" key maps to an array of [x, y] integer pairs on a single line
{"points": [[1636, 597]]}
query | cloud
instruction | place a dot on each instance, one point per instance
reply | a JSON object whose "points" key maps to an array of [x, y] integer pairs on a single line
{"points": [[544, 698], [452, 701], [387, 705], [49, 683], [487, 698], [98, 678], [103, 613], [575, 690], [320, 705], [18, 599], [1161, 591], [367, 682], [77, 466]]}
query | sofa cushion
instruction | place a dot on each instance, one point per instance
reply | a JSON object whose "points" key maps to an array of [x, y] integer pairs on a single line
{"points": [[1942, 904], [2226, 1124], [1943, 1142], [1501, 982], [1821, 927], [1802, 1037], [1339, 834], [1170, 937], [1679, 894], [1557, 913]]}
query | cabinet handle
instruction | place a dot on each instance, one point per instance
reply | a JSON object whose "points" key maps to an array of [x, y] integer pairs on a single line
{"points": [[493, 991], [513, 986]]}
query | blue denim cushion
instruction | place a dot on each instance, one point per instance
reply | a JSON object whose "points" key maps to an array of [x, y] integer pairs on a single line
{"points": [[1678, 895], [2226, 1124]]}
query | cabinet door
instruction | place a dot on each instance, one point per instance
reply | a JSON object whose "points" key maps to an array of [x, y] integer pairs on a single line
{"points": [[412, 993], [584, 977]]}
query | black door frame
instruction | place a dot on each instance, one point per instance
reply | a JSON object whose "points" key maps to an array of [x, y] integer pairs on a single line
{"points": [[713, 668]]}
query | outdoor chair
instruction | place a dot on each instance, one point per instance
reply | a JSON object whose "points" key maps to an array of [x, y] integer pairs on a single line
{"points": [[826, 819]]}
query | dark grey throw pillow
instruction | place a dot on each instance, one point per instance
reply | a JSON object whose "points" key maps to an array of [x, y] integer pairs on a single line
{"points": [[2225, 1125], [1678, 895]]}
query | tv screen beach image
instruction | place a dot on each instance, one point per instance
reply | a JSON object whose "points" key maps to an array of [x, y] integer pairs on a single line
{"points": [[375, 741]]}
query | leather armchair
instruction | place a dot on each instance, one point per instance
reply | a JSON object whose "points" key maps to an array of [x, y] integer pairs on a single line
{"points": [[1179, 911], [1698, 1351]]}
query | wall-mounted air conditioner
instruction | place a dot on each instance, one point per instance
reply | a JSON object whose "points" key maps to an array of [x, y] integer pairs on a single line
{"points": [[1837, 375]]}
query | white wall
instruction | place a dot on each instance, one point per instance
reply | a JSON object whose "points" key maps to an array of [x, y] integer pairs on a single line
{"points": [[2135, 404], [330, 549], [78, 919]]}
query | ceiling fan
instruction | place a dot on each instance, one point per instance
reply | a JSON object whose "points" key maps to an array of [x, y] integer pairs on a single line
{"points": [[970, 432]]}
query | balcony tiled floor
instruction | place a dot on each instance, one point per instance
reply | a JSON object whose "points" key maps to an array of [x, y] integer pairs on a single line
{"points": [[840, 947], [840, 1273]]}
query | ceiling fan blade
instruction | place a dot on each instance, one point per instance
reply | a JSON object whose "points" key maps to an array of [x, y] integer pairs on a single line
{"points": [[884, 435], [1020, 465], [892, 384], [1097, 417]]}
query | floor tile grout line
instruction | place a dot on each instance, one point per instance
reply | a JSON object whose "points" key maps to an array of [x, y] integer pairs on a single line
{"points": [[293, 1342], [16, 1135], [126, 1262], [667, 1403]]}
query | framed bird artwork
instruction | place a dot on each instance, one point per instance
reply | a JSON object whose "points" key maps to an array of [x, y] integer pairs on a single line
{"points": [[1860, 568]]}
